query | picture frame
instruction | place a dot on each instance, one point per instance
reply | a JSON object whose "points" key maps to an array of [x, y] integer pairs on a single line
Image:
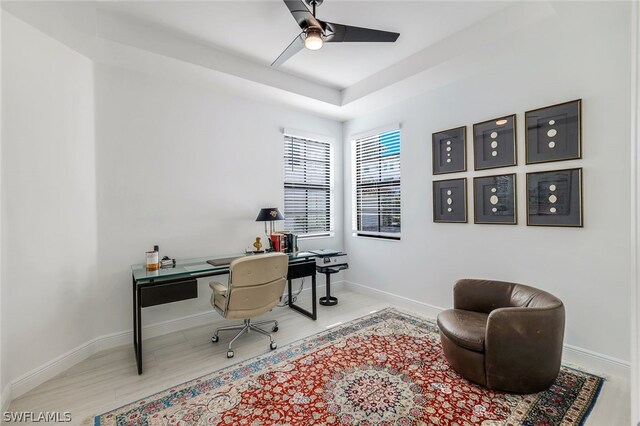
{"points": [[450, 201], [554, 133], [449, 151], [494, 200], [554, 198], [494, 143]]}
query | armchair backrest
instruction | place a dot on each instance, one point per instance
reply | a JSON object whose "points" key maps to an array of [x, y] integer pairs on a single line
{"points": [[256, 284], [488, 295]]}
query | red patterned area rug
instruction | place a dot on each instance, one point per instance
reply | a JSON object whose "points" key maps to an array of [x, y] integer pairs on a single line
{"points": [[383, 369]]}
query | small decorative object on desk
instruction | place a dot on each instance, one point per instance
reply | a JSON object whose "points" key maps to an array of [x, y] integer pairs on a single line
{"points": [[167, 262], [152, 259], [258, 245]]}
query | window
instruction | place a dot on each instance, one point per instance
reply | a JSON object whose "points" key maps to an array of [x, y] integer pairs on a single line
{"points": [[308, 186], [376, 185]]}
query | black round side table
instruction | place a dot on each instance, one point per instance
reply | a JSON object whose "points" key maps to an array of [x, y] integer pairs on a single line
{"points": [[328, 299]]}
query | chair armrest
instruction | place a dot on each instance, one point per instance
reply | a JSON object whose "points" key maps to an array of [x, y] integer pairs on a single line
{"points": [[523, 347], [219, 299], [219, 287]]}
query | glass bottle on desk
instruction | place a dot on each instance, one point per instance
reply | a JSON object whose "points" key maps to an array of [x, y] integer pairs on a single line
{"points": [[153, 259]]}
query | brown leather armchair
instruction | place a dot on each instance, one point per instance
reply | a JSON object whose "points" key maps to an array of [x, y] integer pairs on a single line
{"points": [[502, 335]]}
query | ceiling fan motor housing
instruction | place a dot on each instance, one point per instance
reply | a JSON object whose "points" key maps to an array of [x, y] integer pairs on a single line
{"points": [[313, 3]]}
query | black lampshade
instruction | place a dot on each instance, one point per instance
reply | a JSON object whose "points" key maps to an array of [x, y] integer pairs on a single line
{"points": [[269, 214]]}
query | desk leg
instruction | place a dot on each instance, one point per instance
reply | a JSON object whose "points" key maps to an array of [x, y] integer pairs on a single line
{"points": [[138, 331], [314, 304], [135, 319], [313, 314]]}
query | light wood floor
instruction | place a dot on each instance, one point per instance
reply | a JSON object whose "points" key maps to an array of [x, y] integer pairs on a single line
{"points": [[109, 379]]}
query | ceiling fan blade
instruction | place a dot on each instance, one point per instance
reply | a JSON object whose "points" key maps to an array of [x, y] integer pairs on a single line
{"points": [[338, 33], [296, 45], [301, 14]]}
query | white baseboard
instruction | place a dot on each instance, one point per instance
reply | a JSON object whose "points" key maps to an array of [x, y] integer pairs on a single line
{"points": [[572, 356], [5, 398], [423, 308], [595, 362], [37, 376], [49, 370]]}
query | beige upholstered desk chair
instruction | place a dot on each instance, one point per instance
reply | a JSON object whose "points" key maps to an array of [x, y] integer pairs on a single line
{"points": [[256, 285]]}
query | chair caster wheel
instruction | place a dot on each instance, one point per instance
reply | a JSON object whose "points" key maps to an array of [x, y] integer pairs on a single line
{"points": [[215, 339], [273, 345], [275, 328], [230, 354]]}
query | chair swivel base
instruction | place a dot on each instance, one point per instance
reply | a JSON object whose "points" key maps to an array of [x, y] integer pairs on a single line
{"points": [[246, 328]]}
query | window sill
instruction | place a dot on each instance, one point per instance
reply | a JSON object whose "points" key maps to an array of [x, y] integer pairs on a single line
{"points": [[316, 237], [376, 237]]}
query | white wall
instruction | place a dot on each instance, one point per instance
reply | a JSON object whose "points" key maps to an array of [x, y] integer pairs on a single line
{"points": [[635, 209], [49, 228], [581, 52], [3, 347], [98, 165], [188, 169]]}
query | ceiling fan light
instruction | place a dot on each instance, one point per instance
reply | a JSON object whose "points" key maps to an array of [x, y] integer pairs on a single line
{"points": [[313, 41]]}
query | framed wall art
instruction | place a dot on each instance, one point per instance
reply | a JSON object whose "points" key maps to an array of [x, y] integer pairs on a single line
{"points": [[449, 151], [553, 133], [555, 198], [494, 143], [450, 201], [494, 199]]}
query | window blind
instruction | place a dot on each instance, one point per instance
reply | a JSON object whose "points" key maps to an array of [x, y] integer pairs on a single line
{"points": [[376, 185], [308, 186]]}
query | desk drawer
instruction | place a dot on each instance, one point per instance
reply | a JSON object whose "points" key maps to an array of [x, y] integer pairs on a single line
{"points": [[167, 292], [302, 269]]}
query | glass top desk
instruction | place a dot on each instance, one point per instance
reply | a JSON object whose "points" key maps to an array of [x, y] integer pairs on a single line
{"points": [[151, 288]]}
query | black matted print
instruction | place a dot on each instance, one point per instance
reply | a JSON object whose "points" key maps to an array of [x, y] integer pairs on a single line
{"points": [[553, 133], [450, 200], [449, 151], [494, 143], [495, 199], [555, 198]]}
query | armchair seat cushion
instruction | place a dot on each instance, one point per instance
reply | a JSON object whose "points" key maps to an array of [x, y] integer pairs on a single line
{"points": [[464, 328]]}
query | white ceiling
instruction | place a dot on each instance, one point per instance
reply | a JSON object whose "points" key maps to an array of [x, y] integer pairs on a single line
{"points": [[260, 30], [229, 45]]}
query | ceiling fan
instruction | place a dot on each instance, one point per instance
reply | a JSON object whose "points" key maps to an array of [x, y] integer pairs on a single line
{"points": [[316, 32]]}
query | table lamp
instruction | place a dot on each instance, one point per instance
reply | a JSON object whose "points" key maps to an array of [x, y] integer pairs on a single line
{"points": [[270, 215]]}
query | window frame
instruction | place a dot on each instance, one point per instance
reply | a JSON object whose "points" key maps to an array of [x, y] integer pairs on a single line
{"points": [[356, 208], [330, 187]]}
